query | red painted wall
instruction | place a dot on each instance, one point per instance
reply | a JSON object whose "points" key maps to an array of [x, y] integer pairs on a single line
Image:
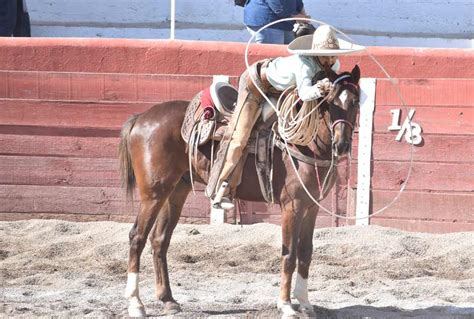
{"points": [[208, 58], [63, 101]]}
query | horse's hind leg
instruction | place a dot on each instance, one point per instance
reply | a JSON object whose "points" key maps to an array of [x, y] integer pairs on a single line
{"points": [[153, 197], [160, 241], [305, 251]]}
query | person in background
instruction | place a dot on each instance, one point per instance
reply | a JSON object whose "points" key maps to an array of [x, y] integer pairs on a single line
{"points": [[14, 19], [258, 13]]}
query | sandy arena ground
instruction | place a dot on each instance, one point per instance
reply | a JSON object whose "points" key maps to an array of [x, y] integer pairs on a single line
{"points": [[57, 268]]}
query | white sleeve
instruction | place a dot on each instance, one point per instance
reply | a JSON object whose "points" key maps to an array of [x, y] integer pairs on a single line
{"points": [[304, 77]]}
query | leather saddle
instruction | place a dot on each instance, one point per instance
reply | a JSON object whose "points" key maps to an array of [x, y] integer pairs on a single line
{"points": [[207, 117], [210, 111]]}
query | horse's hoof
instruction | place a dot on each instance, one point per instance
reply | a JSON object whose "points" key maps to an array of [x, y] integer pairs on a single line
{"points": [[136, 312], [171, 308], [287, 309]]}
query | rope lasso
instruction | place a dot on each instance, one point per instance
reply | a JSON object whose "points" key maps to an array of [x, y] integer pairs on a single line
{"points": [[402, 188], [297, 126]]}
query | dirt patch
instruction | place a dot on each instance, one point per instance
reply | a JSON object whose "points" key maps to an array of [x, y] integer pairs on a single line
{"points": [[57, 268]]}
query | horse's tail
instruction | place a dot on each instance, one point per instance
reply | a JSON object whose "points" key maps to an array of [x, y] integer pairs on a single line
{"points": [[126, 169]]}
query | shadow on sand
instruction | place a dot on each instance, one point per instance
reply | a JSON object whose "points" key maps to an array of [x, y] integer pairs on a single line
{"points": [[353, 312], [450, 312]]}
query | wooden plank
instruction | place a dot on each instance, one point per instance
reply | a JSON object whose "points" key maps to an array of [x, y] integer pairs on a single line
{"points": [[424, 226], [22, 85], [321, 221], [57, 171], [67, 217], [61, 146], [256, 212], [60, 131], [170, 87], [68, 114], [4, 84], [29, 199], [197, 206], [424, 177], [63, 200], [426, 92], [120, 87], [87, 87], [433, 120], [101, 87], [435, 148], [442, 207], [54, 86]]}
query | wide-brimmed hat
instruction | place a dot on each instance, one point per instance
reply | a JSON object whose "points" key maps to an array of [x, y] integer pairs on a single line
{"points": [[323, 42]]}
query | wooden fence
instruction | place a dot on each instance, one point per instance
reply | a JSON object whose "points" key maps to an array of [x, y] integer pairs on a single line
{"points": [[59, 135]]}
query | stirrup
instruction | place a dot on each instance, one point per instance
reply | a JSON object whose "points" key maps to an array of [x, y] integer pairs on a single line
{"points": [[221, 200], [225, 204]]}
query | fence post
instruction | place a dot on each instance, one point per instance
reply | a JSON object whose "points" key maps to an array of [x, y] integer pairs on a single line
{"points": [[367, 107], [172, 18]]}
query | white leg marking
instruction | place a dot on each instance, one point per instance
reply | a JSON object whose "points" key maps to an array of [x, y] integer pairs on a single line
{"points": [[132, 285], [135, 305], [301, 293], [286, 308]]}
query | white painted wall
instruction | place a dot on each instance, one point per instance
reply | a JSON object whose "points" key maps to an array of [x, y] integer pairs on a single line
{"points": [[419, 23]]}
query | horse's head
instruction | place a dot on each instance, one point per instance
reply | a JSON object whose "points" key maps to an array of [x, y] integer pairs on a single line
{"points": [[343, 105]]}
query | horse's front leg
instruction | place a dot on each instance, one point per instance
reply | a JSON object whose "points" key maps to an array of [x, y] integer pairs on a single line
{"points": [[305, 251], [291, 224]]}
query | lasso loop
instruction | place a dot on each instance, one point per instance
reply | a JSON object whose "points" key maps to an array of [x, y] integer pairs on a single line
{"points": [[283, 118]]}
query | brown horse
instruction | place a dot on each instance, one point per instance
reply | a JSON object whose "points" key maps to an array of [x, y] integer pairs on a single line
{"points": [[153, 158]]}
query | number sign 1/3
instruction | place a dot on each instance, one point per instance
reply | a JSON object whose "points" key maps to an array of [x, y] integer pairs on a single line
{"points": [[415, 136]]}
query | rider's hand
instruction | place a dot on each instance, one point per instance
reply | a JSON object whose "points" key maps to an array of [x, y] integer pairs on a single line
{"points": [[323, 86]]}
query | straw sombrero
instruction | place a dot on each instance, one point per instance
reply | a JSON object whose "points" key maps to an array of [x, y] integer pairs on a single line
{"points": [[323, 42]]}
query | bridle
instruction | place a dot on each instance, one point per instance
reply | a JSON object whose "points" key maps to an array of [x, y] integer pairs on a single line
{"points": [[343, 121], [323, 186]]}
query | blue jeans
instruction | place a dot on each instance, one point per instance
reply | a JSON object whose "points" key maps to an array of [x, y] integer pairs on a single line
{"points": [[271, 36]]}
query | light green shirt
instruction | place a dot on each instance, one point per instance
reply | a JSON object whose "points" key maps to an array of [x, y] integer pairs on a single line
{"points": [[297, 70]]}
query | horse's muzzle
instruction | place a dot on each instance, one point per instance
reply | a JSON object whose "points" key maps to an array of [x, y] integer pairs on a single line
{"points": [[342, 148]]}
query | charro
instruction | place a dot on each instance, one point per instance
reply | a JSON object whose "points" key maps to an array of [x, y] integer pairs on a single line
{"points": [[310, 55]]}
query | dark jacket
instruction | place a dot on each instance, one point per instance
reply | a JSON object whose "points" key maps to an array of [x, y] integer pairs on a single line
{"points": [[258, 13], [14, 19], [8, 9]]}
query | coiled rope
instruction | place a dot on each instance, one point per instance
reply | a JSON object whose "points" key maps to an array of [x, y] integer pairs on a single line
{"points": [[297, 125]]}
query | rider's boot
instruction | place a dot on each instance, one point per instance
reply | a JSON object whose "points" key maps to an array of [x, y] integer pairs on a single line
{"points": [[222, 199]]}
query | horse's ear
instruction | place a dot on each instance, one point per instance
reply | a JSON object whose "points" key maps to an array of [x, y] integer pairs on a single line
{"points": [[355, 74]]}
